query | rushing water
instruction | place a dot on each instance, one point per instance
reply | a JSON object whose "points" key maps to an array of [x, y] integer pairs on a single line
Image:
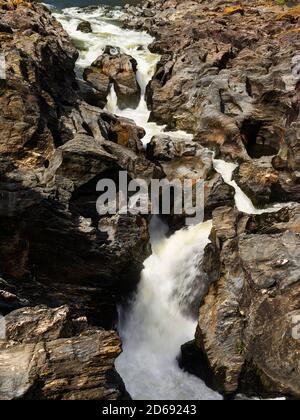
{"points": [[242, 201], [154, 327]]}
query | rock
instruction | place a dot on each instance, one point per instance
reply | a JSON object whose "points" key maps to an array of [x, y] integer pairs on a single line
{"points": [[98, 81], [193, 361], [229, 75], [85, 27], [94, 97], [5, 28], [248, 317], [265, 185], [49, 355], [119, 69], [182, 158]]}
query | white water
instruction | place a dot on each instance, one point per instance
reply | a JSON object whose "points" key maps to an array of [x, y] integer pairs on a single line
{"points": [[106, 31], [242, 201], [154, 327]]}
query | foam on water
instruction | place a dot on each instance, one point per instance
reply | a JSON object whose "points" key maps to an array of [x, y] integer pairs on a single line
{"points": [[155, 328], [107, 31]]}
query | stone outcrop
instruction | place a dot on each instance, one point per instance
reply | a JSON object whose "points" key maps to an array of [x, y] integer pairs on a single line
{"points": [[264, 184], [181, 158], [47, 354], [248, 320], [114, 67]]}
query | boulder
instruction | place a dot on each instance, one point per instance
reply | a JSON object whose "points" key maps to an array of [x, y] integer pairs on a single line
{"points": [[183, 158], [48, 355], [114, 67], [265, 185], [85, 27]]}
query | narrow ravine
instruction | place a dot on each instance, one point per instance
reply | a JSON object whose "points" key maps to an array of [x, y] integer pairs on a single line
{"points": [[153, 327]]}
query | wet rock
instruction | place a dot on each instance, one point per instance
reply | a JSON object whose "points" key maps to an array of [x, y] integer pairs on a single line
{"points": [[264, 185], [119, 69], [85, 27], [95, 97], [193, 361], [98, 81], [246, 328]]}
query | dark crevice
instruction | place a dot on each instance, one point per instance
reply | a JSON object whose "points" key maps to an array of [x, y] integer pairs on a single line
{"points": [[255, 145]]}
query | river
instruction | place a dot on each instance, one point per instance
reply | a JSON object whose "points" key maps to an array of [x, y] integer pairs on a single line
{"points": [[153, 326]]}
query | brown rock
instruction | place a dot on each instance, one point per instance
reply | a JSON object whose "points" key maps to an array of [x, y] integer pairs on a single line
{"points": [[246, 320], [48, 355], [119, 69]]}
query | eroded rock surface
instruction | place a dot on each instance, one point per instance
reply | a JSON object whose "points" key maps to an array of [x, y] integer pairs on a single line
{"points": [[229, 74], [48, 354], [181, 158], [114, 67], [247, 321]]}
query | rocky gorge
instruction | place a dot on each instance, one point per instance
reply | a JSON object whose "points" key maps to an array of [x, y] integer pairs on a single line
{"points": [[229, 76]]}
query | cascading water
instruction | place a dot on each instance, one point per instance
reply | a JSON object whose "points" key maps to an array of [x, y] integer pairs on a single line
{"points": [[154, 327], [242, 201]]}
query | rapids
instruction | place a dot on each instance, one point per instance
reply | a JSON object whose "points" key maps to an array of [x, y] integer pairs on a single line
{"points": [[153, 326]]}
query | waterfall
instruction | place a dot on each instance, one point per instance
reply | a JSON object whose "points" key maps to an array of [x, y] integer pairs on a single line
{"points": [[155, 324], [155, 327]]}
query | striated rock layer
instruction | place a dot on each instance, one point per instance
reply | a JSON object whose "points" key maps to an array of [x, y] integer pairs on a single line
{"points": [[48, 354], [249, 320]]}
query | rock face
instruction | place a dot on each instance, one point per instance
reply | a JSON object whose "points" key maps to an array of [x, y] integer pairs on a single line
{"points": [[229, 75], [264, 184], [55, 145], [47, 354], [118, 69], [182, 158], [248, 321]]}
